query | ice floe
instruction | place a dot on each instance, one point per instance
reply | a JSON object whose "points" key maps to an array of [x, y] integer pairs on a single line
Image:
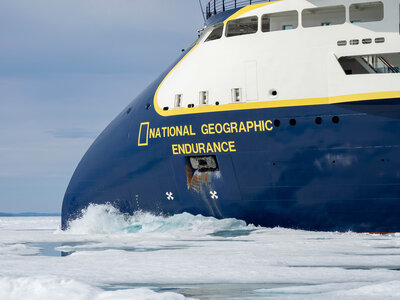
{"points": [[109, 255]]}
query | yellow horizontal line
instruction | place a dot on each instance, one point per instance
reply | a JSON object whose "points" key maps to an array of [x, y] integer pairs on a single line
{"points": [[282, 103]]}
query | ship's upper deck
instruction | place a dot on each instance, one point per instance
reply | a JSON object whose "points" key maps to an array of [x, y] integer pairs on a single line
{"points": [[218, 10], [215, 7], [275, 53]]}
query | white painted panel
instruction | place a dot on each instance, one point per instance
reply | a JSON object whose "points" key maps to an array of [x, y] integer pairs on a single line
{"points": [[251, 81], [298, 63]]}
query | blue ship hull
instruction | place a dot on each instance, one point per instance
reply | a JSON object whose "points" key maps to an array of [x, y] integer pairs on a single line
{"points": [[342, 174]]}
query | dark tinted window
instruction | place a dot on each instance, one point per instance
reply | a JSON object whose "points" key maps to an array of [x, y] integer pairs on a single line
{"points": [[242, 26], [366, 12], [280, 21], [216, 33], [324, 16]]}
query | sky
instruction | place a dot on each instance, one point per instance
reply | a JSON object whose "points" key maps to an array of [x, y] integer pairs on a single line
{"points": [[67, 68]]}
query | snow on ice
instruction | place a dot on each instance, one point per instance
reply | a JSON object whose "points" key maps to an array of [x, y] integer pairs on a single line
{"points": [[108, 255]]}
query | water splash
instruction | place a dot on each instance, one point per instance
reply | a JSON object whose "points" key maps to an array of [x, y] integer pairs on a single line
{"points": [[106, 219]]}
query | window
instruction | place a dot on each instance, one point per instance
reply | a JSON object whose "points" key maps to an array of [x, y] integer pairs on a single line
{"points": [[203, 98], [354, 42], [242, 26], [371, 64], [280, 21], [236, 95], [366, 12], [324, 16], [367, 41], [216, 33], [178, 100]]}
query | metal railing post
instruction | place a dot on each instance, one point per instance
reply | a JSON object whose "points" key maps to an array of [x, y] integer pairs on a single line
{"points": [[215, 8]]}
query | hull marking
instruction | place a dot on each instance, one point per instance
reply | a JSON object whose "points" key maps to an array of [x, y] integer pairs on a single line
{"points": [[170, 196], [214, 195], [147, 133], [143, 139]]}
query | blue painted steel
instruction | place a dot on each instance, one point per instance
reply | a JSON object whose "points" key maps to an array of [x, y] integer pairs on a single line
{"points": [[343, 176], [215, 19]]}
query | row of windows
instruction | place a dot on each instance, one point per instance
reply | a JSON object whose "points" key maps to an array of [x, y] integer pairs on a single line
{"points": [[204, 98], [236, 94], [352, 65], [364, 41], [311, 17], [362, 64]]}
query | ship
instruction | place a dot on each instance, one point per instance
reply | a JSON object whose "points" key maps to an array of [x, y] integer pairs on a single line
{"points": [[281, 113]]}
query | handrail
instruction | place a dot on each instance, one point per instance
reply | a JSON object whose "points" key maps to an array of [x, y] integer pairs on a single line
{"points": [[384, 67], [215, 7], [388, 65]]}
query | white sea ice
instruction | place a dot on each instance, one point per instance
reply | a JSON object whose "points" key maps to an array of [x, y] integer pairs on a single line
{"points": [[333, 291], [109, 254], [66, 289]]}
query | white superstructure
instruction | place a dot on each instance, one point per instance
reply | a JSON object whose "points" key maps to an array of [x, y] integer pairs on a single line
{"points": [[290, 52]]}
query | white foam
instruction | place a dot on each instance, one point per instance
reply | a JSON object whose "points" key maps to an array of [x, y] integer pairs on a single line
{"points": [[39, 288], [105, 219]]}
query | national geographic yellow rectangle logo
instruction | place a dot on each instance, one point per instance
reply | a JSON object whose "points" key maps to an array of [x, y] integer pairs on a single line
{"points": [[143, 139], [147, 133]]}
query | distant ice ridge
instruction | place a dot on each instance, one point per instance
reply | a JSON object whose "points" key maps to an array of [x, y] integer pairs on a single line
{"points": [[333, 291], [106, 219], [50, 287]]}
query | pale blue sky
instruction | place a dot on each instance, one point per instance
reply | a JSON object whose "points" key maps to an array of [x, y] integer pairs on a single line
{"points": [[67, 68]]}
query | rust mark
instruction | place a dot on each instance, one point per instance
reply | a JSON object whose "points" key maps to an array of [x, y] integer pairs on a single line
{"points": [[189, 177], [200, 182], [206, 178], [195, 180]]}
